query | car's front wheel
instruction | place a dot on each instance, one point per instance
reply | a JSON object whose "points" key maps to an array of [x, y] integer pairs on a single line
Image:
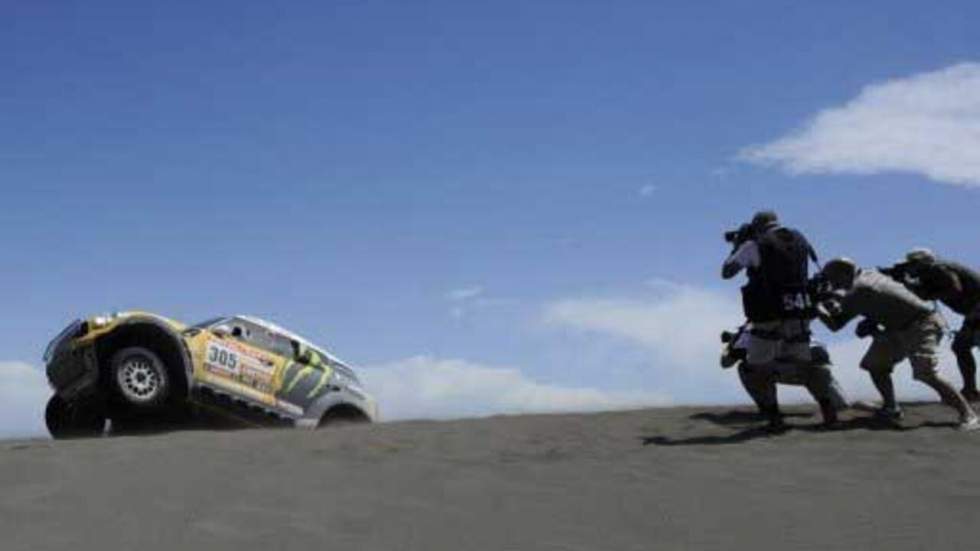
{"points": [[76, 419], [140, 377]]}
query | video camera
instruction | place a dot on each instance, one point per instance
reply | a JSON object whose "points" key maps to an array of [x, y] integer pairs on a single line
{"points": [[819, 289], [901, 272], [913, 277], [730, 354], [744, 233]]}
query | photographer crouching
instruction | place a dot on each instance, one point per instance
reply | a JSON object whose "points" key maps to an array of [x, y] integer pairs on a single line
{"points": [[776, 302]]}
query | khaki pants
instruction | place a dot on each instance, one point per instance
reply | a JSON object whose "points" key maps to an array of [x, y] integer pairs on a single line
{"points": [[779, 353], [776, 341]]}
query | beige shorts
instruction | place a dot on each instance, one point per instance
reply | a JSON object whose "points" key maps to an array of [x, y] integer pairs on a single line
{"points": [[919, 344], [776, 341]]}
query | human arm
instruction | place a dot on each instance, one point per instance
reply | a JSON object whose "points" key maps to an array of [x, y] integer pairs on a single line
{"points": [[811, 253], [867, 328], [943, 284], [837, 311], [828, 314], [745, 256]]}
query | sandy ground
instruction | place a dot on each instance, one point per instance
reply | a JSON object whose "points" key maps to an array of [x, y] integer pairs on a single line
{"points": [[654, 479]]}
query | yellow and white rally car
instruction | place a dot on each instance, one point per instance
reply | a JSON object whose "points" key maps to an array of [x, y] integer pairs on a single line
{"points": [[135, 367]]}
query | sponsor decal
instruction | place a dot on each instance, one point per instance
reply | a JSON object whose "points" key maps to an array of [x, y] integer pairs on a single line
{"points": [[221, 360], [241, 364], [303, 384]]}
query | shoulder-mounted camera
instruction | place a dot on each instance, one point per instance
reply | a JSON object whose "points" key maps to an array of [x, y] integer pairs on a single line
{"points": [[744, 233]]}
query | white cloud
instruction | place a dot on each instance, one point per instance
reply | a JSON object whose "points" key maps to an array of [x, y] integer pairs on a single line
{"points": [[680, 326], [928, 123], [24, 393], [465, 293], [464, 299], [430, 388], [647, 190]]}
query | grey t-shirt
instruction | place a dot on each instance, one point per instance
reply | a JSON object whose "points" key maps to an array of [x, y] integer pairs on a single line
{"points": [[881, 298]]}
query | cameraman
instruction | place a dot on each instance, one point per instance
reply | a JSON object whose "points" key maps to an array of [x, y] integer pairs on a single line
{"points": [[909, 329], [958, 287], [775, 300]]}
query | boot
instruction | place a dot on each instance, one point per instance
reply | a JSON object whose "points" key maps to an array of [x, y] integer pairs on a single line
{"points": [[774, 418], [828, 412]]}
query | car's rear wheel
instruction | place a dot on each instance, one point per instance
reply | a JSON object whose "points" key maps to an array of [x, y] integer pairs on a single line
{"points": [[140, 378], [76, 419], [343, 415]]}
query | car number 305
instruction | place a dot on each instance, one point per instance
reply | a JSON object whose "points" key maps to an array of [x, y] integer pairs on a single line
{"points": [[222, 357]]}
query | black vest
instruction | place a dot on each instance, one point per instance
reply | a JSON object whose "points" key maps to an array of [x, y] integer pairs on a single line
{"points": [[777, 288], [964, 302]]}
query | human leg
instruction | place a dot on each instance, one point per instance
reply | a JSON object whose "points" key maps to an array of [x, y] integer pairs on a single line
{"points": [[923, 344], [820, 383], [879, 362], [925, 371], [756, 386], [963, 348], [756, 372], [886, 388], [759, 382]]}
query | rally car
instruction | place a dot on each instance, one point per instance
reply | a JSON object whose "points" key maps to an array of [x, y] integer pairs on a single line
{"points": [[139, 369]]}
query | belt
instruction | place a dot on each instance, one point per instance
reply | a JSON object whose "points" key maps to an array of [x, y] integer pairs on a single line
{"points": [[779, 336], [769, 335]]}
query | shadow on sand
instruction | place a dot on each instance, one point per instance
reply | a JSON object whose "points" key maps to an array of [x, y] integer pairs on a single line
{"points": [[736, 417], [739, 417]]}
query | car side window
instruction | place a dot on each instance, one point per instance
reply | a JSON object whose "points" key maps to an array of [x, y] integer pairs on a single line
{"points": [[262, 338], [284, 346]]}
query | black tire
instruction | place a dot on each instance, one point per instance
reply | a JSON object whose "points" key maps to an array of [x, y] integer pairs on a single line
{"points": [[77, 419], [341, 416], [140, 379]]}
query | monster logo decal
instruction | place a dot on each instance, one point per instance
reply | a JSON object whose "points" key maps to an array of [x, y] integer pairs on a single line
{"points": [[303, 384]]}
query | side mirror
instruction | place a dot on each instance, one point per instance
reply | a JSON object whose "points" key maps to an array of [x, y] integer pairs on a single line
{"points": [[221, 331]]}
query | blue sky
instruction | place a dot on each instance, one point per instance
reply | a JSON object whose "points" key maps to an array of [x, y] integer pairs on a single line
{"points": [[346, 168]]}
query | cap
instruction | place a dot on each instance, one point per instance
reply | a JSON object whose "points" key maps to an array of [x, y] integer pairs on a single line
{"points": [[839, 268], [921, 255], [764, 219]]}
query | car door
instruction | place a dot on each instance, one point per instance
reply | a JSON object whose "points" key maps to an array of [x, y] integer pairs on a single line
{"points": [[304, 379], [236, 357]]}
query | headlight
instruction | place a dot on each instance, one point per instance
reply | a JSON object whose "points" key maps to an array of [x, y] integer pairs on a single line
{"points": [[98, 322]]}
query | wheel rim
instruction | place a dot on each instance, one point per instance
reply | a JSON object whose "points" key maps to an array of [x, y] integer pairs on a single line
{"points": [[140, 379]]}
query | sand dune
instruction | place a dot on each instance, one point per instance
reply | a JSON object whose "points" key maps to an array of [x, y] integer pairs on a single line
{"points": [[653, 479]]}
